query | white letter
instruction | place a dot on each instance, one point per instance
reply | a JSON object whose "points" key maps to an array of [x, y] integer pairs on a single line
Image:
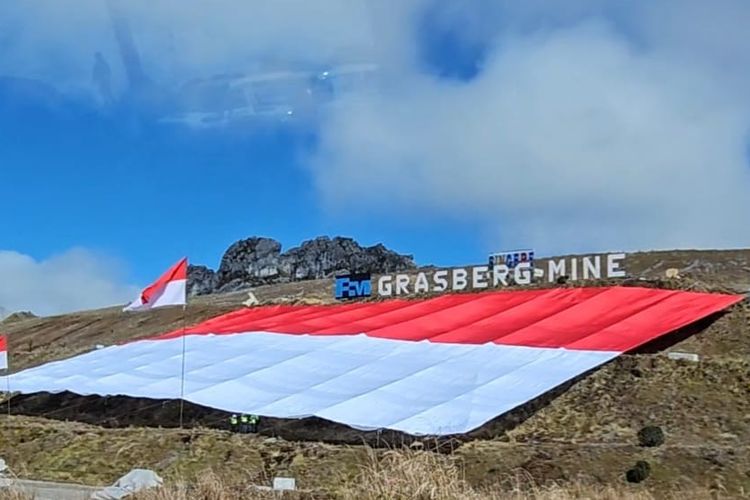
{"points": [[384, 285], [421, 284], [555, 269], [402, 284], [441, 283], [478, 276], [459, 279], [522, 273], [574, 269], [612, 266], [594, 270], [499, 273]]}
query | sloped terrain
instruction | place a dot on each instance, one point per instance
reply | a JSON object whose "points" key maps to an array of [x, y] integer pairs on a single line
{"points": [[36, 340], [586, 429]]}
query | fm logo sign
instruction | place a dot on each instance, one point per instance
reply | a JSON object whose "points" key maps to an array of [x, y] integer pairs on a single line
{"points": [[353, 286]]}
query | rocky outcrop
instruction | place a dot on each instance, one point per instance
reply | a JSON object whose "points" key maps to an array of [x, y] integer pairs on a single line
{"points": [[17, 316], [201, 280], [249, 262], [258, 261], [323, 257]]}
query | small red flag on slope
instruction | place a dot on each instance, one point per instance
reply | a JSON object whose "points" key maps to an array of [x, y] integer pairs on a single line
{"points": [[3, 352], [169, 290]]}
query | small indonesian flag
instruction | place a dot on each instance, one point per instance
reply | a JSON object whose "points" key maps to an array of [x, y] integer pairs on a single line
{"points": [[3, 352], [169, 290]]}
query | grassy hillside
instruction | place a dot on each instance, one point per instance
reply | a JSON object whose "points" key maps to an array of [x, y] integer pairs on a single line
{"points": [[584, 432]]}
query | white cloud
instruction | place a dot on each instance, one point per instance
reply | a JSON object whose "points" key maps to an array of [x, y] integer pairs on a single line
{"points": [[590, 125], [569, 139], [75, 280], [177, 39]]}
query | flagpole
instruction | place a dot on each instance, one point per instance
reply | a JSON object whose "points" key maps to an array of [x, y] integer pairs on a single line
{"points": [[7, 384], [154, 296], [7, 372], [182, 376]]}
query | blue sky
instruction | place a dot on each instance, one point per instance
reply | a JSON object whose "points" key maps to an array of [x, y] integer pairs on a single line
{"points": [[125, 184], [150, 192], [583, 127]]}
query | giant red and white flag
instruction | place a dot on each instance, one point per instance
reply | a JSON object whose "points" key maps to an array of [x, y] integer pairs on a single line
{"points": [[169, 290], [3, 352], [435, 366]]}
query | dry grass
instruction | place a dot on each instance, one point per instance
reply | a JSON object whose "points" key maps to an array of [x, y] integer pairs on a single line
{"points": [[402, 474], [74, 452], [409, 475], [13, 494], [417, 475], [208, 486]]}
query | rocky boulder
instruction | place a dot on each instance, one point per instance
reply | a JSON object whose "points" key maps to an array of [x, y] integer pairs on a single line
{"points": [[324, 257], [201, 280], [250, 262], [257, 261]]}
